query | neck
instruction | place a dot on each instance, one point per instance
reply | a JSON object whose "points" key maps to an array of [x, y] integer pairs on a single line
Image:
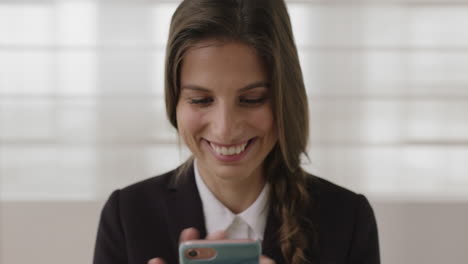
{"points": [[236, 194]]}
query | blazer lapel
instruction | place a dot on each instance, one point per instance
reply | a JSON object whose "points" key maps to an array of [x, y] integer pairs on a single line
{"points": [[185, 209], [184, 206], [270, 244]]}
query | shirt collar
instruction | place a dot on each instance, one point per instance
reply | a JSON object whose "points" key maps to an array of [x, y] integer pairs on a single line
{"points": [[256, 214], [219, 217]]}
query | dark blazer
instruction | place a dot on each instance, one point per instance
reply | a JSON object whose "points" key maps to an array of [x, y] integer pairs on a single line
{"points": [[144, 220]]}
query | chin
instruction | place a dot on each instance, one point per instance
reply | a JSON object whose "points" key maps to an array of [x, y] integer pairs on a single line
{"points": [[229, 171]]}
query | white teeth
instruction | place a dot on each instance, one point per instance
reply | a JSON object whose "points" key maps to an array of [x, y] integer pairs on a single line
{"points": [[234, 150], [224, 151], [238, 149]]}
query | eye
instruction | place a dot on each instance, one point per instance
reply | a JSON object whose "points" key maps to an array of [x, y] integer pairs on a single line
{"points": [[201, 101], [252, 100]]}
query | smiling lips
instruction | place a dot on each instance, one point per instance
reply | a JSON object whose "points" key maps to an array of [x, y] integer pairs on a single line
{"points": [[231, 150]]}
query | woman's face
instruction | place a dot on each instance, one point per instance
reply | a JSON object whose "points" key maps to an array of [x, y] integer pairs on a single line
{"points": [[224, 112]]}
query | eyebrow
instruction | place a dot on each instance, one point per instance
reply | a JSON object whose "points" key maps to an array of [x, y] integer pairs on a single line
{"points": [[243, 89]]}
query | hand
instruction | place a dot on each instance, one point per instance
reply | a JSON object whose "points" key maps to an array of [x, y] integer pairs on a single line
{"points": [[192, 234]]}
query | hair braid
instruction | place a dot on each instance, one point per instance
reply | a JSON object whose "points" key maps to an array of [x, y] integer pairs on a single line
{"points": [[291, 200]]}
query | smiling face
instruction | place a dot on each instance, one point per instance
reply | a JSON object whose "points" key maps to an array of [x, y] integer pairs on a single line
{"points": [[224, 112]]}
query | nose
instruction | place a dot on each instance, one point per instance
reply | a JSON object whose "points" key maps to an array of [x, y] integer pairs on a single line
{"points": [[226, 123]]}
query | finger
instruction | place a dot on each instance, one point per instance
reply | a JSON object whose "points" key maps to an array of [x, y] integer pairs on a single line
{"points": [[156, 261], [188, 234], [264, 260], [217, 235]]}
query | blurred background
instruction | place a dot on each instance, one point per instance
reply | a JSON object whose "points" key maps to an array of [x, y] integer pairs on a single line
{"points": [[82, 113]]}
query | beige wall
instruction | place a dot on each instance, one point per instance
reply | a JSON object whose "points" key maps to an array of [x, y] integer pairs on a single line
{"points": [[64, 232], [423, 233], [48, 232]]}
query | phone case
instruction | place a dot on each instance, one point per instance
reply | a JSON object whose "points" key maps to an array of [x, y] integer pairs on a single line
{"points": [[226, 251]]}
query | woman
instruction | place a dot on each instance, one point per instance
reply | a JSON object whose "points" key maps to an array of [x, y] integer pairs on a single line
{"points": [[235, 93]]}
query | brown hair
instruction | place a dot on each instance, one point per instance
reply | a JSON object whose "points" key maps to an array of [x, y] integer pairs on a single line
{"points": [[264, 25]]}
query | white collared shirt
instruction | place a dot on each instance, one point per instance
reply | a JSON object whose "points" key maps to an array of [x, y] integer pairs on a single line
{"points": [[249, 224]]}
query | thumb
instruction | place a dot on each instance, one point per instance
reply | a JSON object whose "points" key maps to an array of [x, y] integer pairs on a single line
{"points": [[264, 260], [156, 261], [217, 235], [189, 234]]}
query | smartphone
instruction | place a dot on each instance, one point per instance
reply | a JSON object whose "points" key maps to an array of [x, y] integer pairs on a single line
{"points": [[220, 252]]}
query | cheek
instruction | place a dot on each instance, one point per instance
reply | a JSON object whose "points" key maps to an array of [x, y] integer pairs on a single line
{"points": [[263, 120], [188, 121]]}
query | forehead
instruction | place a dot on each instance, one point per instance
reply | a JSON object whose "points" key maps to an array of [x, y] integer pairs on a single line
{"points": [[213, 63]]}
